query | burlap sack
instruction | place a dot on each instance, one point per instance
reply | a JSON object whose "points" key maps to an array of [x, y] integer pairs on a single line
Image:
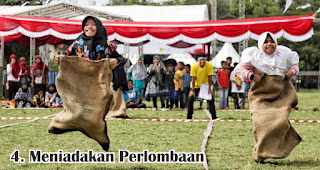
{"points": [[271, 101], [84, 87], [119, 108]]}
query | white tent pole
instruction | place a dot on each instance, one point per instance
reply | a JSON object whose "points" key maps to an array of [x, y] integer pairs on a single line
{"points": [[32, 51], [1, 66]]}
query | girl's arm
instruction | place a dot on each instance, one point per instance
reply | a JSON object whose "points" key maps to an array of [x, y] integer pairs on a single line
{"points": [[295, 69], [53, 97]]}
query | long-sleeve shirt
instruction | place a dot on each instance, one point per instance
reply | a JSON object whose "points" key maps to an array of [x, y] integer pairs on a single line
{"points": [[245, 70], [25, 73], [51, 97], [23, 96], [10, 75]]}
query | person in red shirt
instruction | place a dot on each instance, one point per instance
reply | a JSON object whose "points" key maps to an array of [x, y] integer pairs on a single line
{"points": [[25, 75], [223, 82]]}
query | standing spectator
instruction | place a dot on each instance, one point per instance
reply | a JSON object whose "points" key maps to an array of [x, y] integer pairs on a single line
{"points": [[237, 90], [137, 73], [201, 73], [223, 82], [179, 85], [25, 71], [169, 78], [38, 100], [186, 83], [132, 97], [156, 87], [13, 72], [39, 76], [229, 62], [51, 96], [24, 96]]}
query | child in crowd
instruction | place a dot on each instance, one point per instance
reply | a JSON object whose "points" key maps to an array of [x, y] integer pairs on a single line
{"points": [[223, 83], [169, 81], [186, 83], [179, 84], [25, 71], [133, 97], [23, 96], [51, 96], [237, 89], [38, 99]]}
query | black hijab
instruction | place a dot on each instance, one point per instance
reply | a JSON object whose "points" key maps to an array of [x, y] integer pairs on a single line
{"points": [[97, 44]]}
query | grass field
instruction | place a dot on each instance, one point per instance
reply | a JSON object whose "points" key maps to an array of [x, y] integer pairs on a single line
{"points": [[229, 147]]}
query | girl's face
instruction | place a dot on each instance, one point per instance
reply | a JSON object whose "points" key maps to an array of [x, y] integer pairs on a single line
{"points": [[269, 46], [139, 61], [51, 88], [40, 93], [23, 62], [90, 28], [13, 60], [156, 60], [38, 60]]}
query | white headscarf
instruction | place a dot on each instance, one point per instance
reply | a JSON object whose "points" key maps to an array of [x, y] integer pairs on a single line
{"points": [[139, 72], [276, 63]]}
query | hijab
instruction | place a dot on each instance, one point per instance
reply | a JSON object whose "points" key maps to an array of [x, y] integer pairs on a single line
{"points": [[15, 67], [276, 63], [54, 90], [92, 47], [138, 71], [23, 67], [39, 65], [157, 76]]}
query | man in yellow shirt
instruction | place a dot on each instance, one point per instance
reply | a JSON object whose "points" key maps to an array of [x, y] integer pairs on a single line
{"points": [[179, 84], [201, 73]]}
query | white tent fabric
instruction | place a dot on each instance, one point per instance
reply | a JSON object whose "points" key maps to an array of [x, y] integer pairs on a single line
{"points": [[176, 13], [132, 57], [226, 51], [186, 58]]}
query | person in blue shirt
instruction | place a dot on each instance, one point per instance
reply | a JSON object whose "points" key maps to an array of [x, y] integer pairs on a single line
{"points": [[186, 83], [132, 97]]}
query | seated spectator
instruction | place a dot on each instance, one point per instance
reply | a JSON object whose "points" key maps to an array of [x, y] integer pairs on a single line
{"points": [[38, 100], [23, 97], [132, 97], [51, 96], [237, 89]]}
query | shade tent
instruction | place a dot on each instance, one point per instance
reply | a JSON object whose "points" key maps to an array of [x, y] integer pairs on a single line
{"points": [[226, 51], [186, 58], [56, 31]]}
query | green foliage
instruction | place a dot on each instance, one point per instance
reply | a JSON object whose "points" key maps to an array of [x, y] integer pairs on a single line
{"points": [[20, 2]]}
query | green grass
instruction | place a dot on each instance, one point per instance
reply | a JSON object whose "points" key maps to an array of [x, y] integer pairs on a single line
{"points": [[229, 146]]}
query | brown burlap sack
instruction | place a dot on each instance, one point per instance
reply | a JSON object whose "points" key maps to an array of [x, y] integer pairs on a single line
{"points": [[119, 108], [271, 101], [84, 87]]}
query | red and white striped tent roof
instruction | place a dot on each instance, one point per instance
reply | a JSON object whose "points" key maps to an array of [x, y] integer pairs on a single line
{"points": [[56, 31]]}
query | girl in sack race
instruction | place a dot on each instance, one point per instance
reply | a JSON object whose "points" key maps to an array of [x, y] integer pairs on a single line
{"points": [[272, 96], [93, 44], [39, 77], [100, 94]]}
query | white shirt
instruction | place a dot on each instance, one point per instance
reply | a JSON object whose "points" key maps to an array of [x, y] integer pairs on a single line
{"points": [[234, 88], [10, 75]]}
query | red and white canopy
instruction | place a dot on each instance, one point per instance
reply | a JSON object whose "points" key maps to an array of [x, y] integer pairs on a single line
{"points": [[56, 31]]}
